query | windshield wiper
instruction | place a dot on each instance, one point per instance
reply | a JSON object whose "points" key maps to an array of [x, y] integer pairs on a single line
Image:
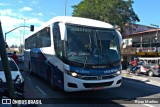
{"points": [[107, 56], [90, 49], [85, 61]]}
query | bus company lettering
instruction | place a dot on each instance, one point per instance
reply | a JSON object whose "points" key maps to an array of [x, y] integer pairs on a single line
{"points": [[98, 66], [110, 71], [105, 71], [83, 71]]}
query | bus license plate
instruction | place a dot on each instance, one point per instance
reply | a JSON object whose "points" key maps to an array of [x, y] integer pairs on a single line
{"points": [[98, 88]]}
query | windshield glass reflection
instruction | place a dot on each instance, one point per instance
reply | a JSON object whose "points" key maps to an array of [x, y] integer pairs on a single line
{"points": [[92, 45]]}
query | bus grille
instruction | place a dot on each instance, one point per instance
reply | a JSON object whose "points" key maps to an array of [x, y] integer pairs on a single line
{"points": [[97, 77], [93, 85]]}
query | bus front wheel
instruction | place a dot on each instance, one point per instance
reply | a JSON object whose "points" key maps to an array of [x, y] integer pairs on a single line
{"points": [[51, 78]]}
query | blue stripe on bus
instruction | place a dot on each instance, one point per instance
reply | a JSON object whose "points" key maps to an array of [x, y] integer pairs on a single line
{"points": [[59, 77], [40, 67], [95, 72]]}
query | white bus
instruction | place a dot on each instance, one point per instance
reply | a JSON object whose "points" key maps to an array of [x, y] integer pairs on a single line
{"points": [[75, 54]]}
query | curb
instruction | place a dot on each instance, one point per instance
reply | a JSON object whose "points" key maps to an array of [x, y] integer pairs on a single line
{"points": [[140, 79]]}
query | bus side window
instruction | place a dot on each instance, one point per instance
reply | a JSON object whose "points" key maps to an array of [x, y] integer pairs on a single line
{"points": [[57, 39], [43, 38]]}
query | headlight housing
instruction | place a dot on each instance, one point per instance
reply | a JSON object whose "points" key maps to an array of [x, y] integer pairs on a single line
{"points": [[117, 73], [73, 74]]}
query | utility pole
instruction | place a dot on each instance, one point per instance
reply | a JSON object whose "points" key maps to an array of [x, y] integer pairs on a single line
{"points": [[13, 30], [65, 6], [24, 28], [156, 38], [20, 32], [5, 63], [157, 26]]}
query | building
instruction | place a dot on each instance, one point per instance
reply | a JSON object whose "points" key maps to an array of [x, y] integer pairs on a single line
{"points": [[141, 41]]}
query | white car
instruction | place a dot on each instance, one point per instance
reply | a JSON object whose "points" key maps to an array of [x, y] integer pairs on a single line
{"points": [[15, 71]]}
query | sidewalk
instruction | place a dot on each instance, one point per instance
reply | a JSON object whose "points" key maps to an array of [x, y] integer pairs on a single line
{"points": [[140, 78]]}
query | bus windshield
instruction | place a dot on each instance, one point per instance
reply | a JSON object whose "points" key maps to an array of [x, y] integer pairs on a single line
{"points": [[89, 45]]}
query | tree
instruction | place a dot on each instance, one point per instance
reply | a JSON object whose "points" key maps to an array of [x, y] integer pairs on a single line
{"points": [[116, 12], [13, 46]]}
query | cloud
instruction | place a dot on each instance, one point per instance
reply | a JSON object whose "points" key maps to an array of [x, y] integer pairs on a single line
{"points": [[38, 14], [9, 21], [20, 1], [35, 21], [34, 2], [26, 9], [4, 4], [7, 12]]}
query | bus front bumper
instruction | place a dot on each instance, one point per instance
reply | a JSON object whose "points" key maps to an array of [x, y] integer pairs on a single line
{"points": [[74, 84]]}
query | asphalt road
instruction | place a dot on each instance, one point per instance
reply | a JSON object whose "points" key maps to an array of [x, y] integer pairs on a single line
{"points": [[126, 95]]}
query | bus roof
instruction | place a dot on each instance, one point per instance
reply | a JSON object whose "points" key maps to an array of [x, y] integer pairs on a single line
{"points": [[81, 21], [75, 20]]}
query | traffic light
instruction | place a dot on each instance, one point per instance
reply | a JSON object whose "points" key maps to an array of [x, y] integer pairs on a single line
{"points": [[32, 28], [7, 46]]}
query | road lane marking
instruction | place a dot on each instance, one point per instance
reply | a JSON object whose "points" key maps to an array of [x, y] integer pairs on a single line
{"points": [[148, 105], [40, 90]]}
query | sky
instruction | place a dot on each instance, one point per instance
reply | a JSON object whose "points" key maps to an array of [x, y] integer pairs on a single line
{"points": [[14, 13]]}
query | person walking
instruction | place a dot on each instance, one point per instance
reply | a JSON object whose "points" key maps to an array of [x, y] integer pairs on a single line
{"points": [[15, 57]]}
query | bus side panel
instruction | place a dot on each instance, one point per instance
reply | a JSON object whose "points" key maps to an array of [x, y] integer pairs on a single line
{"points": [[40, 65], [58, 77], [26, 60], [57, 67], [34, 58]]}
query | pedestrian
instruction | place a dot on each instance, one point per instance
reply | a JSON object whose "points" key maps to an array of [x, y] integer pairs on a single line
{"points": [[15, 57], [134, 62]]}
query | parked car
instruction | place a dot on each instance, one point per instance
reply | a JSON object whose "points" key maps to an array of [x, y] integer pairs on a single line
{"points": [[20, 58], [9, 54], [15, 73], [150, 66]]}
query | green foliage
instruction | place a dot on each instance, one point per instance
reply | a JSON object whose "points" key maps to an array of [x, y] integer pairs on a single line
{"points": [[116, 12]]}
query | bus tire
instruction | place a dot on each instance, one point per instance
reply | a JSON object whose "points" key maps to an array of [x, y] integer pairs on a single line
{"points": [[50, 78]]}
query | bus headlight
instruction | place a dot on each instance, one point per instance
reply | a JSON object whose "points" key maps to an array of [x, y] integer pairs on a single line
{"points": [[73, 74], [118, 72]]}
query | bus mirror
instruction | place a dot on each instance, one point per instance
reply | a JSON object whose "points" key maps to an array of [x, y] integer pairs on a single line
{"points": [[63, 31], [119, 37], [32, 28]]}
